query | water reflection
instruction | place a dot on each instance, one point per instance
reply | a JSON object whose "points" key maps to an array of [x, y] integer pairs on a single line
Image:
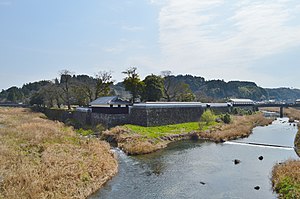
{"points": [[270, 114], [201, 169]]}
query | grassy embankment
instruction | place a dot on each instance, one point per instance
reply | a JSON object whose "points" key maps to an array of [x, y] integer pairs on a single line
{"points": [[140, 140], [286, 176], [40, 158]]}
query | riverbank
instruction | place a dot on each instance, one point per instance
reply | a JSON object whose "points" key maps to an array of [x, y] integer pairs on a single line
{"points": [[286, 175], [136, 140], [292, 114], [40, 158], [286, 179]]}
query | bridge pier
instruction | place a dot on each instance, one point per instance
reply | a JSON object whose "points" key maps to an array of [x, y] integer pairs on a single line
{"points": [[281, 112]]}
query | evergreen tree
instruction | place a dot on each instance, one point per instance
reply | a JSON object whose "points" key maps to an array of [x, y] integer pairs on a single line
{"points": [[153, 90], [132, 83]]}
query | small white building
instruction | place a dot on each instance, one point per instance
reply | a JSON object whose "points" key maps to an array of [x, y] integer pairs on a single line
{"points": [[241, 101], [297, 101]]}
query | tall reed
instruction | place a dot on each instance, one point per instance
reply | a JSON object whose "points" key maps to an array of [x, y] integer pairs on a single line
{"points": [[40, 158]]}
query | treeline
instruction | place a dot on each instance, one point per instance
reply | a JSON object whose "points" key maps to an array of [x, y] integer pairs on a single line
{"points": [[66, 90], [70, 89]]}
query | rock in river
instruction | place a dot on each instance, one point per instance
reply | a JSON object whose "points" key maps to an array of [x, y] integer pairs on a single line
{"points": [[236, 161]]}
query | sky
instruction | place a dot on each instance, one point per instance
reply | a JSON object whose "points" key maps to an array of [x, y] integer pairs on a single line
{"points": [[249, 40]]}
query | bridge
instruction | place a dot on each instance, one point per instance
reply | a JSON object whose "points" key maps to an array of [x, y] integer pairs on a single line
{"points": [[281, 106]]}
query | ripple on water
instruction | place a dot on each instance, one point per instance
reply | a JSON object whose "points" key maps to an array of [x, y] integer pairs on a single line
{"points": [[177, 171]]}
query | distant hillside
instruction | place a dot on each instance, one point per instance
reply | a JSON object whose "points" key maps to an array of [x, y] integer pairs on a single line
{"points": [[205, 91], [194, 82], [23, 94], [219, 90], [286, 94]]}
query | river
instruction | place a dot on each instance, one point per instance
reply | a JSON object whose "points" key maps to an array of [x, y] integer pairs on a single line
{"points": [[203, 169]]}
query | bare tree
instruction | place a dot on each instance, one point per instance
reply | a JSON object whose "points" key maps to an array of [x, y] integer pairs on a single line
{"points": [[103, 83], [65, 82], [175, 90], [167, 84], [58, 93], [83, 89]]}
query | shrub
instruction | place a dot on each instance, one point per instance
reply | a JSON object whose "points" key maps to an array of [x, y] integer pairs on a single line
{"points": [[286, 180], [226, 118], [241, 111], [208, 117], [84, 132], [287, 188], [235, 111]]}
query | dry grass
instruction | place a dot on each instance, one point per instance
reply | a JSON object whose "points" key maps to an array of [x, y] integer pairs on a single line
{"points": [[241, 126], [297, 141], [289, 112], [286, 179], [40, 158], [292, 113], [134, 143], [137, 147], [286, 176]]}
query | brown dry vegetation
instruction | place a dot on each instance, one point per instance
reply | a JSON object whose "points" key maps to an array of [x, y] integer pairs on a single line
{"points": [[241, 126], [297, 141], [134, 143], [286, 179], [289, 112], [40, 158], [286, 176], [292, 113]]}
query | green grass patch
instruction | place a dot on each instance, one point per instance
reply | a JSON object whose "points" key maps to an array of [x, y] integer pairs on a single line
{"points": [[84, 132], [204, 126], [287, 188], [159, 131]]}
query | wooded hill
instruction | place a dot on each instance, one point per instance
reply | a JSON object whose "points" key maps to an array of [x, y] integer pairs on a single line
{"points": [[81, 89]]}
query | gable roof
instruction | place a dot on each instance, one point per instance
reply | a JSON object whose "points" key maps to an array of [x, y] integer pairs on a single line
{"points": [[108, 100]]}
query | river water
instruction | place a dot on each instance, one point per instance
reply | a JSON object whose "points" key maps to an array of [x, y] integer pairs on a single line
{"points": [[203, 169]]}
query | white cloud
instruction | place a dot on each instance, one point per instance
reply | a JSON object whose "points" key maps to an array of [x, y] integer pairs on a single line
{"points": [[219, 39]]}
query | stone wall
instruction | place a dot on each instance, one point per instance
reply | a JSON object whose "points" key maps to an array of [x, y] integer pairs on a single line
{"points": [[164, 116], [221, 110], [109, 120], [56, 114], [143, 116], [138, 116], [82, 119]]}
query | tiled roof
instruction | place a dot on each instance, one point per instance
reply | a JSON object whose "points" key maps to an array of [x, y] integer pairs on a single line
{"points": [[108, 100]]}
